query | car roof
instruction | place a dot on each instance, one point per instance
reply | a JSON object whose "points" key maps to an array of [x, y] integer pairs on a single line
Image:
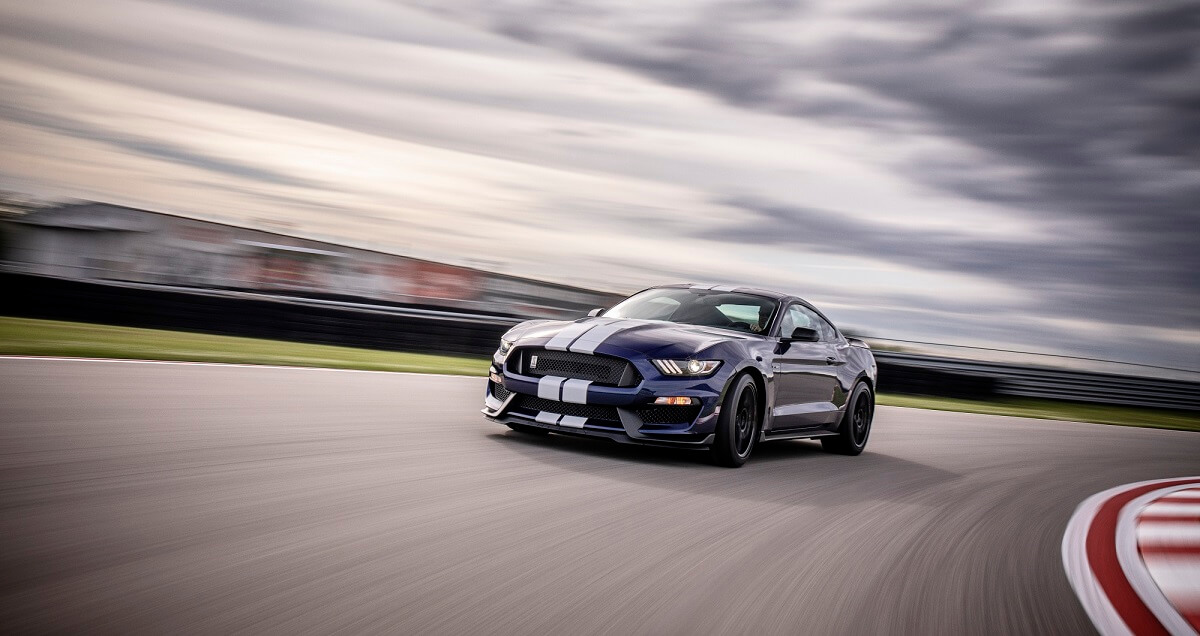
{"points": [[778, 297], [757, 291]]}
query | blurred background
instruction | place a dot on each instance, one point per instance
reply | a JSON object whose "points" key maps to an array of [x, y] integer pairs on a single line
{"points": [[975, 181], [1001, 196]]}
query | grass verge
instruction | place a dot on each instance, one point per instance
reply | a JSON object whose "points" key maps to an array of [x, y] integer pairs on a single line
{"points": [[20, 336]]}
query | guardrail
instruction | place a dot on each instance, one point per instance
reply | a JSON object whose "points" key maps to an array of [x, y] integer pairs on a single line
{"points": [[1049, 383], [442, 330], [252, 314]]}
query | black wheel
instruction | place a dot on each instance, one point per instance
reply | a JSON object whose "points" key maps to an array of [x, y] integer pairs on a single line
{"points": [[856, 423], [528, 430], [737, 427]]}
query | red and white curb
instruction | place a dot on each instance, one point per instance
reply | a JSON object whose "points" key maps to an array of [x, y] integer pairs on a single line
{"points": [[1132, 553]]}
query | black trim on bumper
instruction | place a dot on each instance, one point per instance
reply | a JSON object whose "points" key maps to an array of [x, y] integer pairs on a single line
{"points": [[614, 436]]}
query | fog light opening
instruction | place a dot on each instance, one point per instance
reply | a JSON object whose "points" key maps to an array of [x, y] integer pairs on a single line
{"points": [[677, 401]]}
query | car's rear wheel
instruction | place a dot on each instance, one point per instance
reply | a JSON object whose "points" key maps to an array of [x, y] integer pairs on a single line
{"points": [[856, 423], [738, 424], [528, 430]]}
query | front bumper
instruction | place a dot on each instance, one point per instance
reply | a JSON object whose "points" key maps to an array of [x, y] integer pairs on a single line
{"points": [[622, 414]]}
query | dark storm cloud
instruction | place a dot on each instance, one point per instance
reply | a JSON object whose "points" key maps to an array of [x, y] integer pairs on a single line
{"points": [[1109, 130], [1088, 112], [1061, 276], [817, 230]]}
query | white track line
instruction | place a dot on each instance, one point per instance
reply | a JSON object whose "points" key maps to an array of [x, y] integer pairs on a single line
{"points": [[231, 364]]}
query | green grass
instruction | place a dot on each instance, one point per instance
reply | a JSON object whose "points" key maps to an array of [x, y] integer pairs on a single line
{"points": [[1052, 410], [19, 336]]}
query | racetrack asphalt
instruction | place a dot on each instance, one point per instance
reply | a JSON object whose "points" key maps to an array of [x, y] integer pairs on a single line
{"points": [[163, 498]]}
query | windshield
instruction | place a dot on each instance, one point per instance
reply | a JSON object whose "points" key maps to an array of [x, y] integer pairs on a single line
{"points": [[728, 310]]}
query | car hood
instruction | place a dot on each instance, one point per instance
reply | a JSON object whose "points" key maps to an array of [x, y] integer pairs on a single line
{"points": [[623, 337]]}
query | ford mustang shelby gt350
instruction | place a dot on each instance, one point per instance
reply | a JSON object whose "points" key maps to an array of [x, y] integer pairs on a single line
{"points": [[701, 366]]}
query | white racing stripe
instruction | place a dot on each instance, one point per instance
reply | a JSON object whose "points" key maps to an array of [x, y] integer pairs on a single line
{"points": [[571, 421], [575, 391], [550, 387], [572, 331], [588, 342]]}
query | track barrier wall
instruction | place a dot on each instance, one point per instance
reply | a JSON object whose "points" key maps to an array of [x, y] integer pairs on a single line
{"points": [[431, 329]]}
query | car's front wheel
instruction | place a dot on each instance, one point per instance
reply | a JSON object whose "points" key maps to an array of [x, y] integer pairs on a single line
{"points": [[856, 423], [738, 425]]}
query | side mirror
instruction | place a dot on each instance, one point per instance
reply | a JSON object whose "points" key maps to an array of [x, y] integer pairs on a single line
{"points": [[802, 334], [596, 312]]}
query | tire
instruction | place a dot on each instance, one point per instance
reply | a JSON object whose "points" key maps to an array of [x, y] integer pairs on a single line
{"points": [[528, 430], [855, 428], [738, 425]]}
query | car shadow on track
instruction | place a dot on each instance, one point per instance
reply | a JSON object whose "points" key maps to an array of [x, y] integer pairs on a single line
{"points": [[793, 472]]}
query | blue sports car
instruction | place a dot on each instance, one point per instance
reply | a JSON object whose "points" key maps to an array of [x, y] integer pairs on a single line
{"points": [[696, 366]]}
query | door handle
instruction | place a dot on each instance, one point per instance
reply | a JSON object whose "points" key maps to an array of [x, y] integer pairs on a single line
{"points": [[831, 360]]}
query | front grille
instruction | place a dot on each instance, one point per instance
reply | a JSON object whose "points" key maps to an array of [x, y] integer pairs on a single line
{"points": [[590, 411], [668, 414], [566, 364], [499, 392]]}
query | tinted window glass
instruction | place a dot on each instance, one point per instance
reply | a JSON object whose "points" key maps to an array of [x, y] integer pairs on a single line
{"points": [[827, 331], [792, 318], [801, 316], [727, 310]]}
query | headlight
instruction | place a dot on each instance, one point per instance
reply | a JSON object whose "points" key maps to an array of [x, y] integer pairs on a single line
{"points": [[687, 367], [505, 347]]}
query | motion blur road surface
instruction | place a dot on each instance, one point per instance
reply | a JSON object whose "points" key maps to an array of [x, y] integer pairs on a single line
{"points": [[172, 498]]}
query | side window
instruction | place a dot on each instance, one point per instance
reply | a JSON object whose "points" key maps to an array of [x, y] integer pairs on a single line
{"points": [[787, 322], [828, 333], [801, 316], [792, 318]]}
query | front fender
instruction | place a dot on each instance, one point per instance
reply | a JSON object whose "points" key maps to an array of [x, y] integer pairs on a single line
{"points": [[764, 380]]}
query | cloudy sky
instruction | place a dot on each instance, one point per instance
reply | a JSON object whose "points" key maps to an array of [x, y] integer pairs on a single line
{"points": [[1016, 174]]}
